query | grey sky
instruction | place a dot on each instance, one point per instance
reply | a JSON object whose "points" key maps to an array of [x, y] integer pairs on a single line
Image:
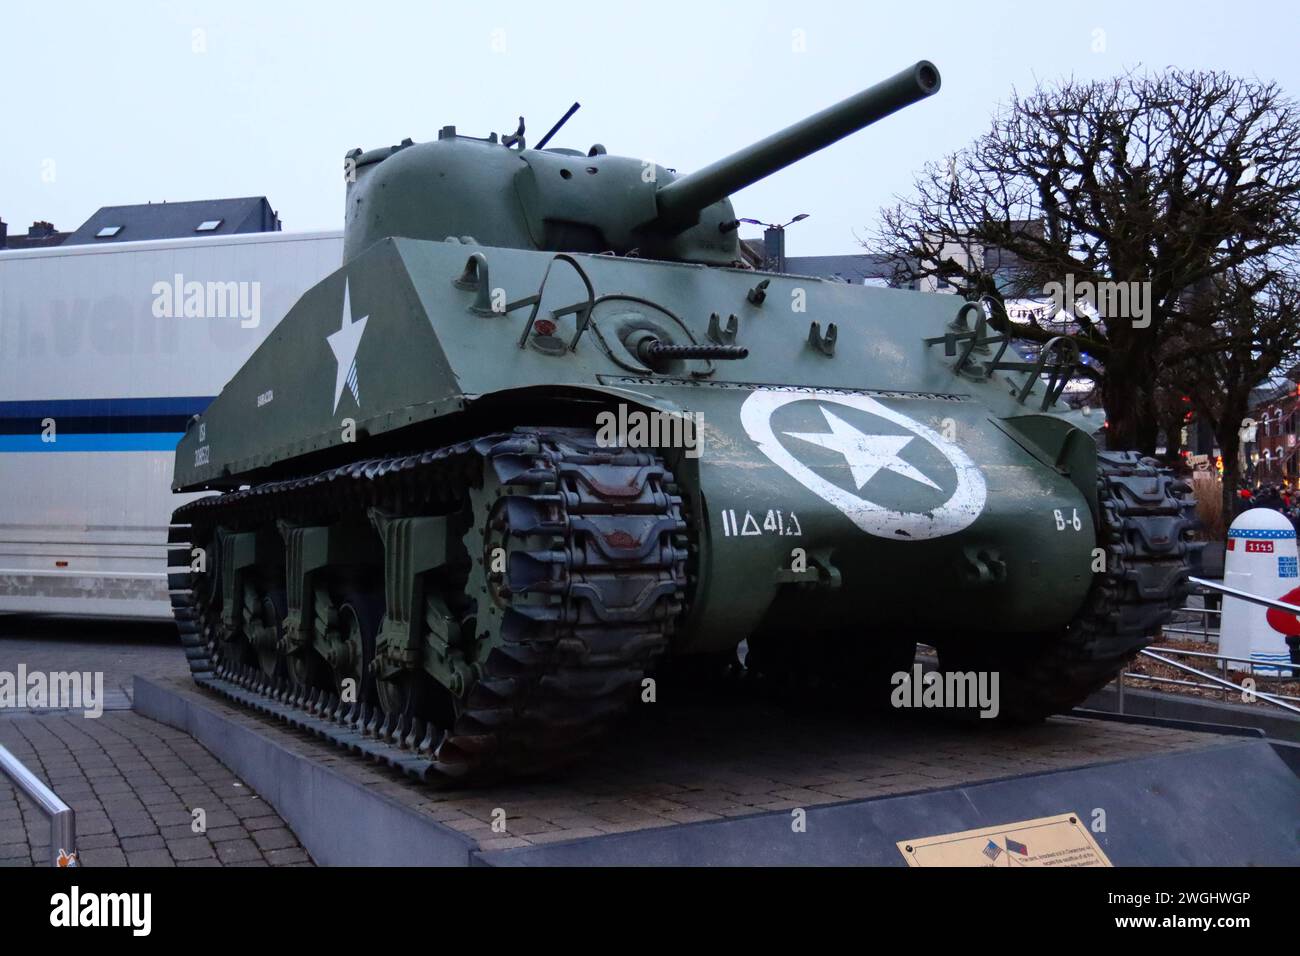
{"points": [[115, 96]]}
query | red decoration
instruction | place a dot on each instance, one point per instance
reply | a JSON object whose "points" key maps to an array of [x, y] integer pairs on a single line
{"points": [[1281, 621]]}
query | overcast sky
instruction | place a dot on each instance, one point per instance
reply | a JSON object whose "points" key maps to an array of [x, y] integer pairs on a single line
{"points": [[125, 102]]}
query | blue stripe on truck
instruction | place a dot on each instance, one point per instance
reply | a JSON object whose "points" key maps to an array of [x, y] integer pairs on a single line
{"points": [[122, 441], [105, 407], [98, 424]]}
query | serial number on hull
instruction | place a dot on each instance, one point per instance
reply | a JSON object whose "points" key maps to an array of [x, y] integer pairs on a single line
{"points": [[775, 522]]}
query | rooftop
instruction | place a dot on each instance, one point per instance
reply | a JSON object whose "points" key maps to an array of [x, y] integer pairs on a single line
{"points": [[174, 220]]}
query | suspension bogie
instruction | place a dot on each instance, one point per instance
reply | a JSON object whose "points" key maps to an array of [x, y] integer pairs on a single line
{"points": [[455, 614]]}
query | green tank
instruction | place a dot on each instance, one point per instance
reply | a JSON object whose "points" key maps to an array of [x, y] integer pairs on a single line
{"points": [[545, 433]]}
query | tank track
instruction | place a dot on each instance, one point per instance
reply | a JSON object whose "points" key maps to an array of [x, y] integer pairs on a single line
{"points": [[1146, 515], [593, 621]]}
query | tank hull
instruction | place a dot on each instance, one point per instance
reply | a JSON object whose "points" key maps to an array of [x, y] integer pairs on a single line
{"points": [[947, 470]]}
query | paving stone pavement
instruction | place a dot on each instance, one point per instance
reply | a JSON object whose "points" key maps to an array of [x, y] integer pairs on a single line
{"points": [[117, 649], [732, 754], [134, 784]]}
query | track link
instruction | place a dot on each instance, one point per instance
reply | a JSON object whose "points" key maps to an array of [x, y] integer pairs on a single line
{"points": [[587, 603], [1146, 515]]}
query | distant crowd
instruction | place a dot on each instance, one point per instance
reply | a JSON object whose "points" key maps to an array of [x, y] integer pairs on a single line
{"points": [[1278, 497]]}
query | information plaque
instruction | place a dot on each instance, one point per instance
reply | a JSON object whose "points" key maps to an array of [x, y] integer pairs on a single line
{"points": [[1061, 840]]}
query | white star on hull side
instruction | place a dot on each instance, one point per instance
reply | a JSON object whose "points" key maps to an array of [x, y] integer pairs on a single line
{"points": [[344, 344]]}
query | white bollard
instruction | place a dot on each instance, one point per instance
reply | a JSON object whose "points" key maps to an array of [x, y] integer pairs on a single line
{"points": [[1260, 558]]}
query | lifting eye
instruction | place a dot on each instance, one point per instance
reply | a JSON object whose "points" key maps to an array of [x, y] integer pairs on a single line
{"points": [[565, 174]]}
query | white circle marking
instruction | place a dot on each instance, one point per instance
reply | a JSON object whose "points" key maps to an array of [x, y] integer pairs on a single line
{"points": [[963, 506]]}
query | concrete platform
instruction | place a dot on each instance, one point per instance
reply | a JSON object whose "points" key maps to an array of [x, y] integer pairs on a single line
{"points": [[1275, 723], [713, 782]]}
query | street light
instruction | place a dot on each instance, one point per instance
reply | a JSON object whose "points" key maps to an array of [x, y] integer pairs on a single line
{"points": [[768, 225], [774, 241]]}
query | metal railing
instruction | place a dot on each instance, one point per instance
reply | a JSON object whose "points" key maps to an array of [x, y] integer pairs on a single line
{"points": [[1203, 630], [1245, 595], [1223, 670], [1221, 684], [1217, 683], [63, 819]]}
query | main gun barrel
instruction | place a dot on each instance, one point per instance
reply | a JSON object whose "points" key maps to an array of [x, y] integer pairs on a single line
{"points": [[680, 201]]}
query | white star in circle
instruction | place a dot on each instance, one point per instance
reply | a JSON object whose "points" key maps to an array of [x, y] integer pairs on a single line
{"points": [[344, 344], [866, 454]]}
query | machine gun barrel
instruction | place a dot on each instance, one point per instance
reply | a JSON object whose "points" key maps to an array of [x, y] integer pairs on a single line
{"points": [[680, 201], [652, 351]]}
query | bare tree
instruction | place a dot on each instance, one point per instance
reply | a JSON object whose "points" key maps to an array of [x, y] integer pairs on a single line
{"points": [[1166, 180], [1173, 410], [1243, 327]]}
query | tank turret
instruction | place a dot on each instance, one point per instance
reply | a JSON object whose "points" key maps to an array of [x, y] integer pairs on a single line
{"points": [[496, 192]]}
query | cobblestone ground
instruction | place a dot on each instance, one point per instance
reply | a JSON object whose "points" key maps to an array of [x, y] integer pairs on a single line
{"points": [[117, 649], [729, 755], [132, 782]]}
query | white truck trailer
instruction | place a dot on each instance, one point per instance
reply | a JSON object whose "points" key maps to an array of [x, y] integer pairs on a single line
{"points": [[105, 353]]}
